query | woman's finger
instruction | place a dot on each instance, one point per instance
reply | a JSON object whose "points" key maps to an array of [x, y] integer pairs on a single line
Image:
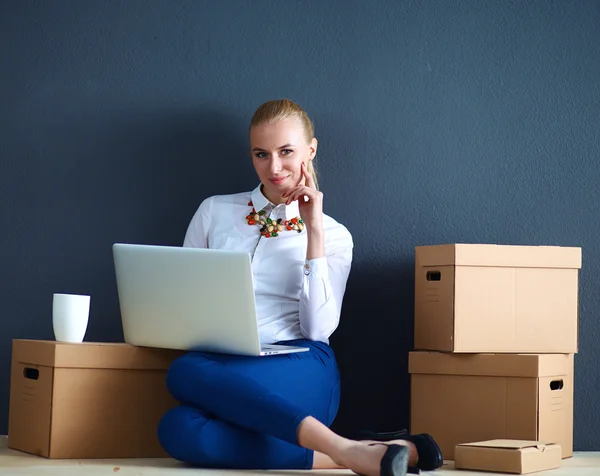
{"points": [[295, 194], [311, 193], [292, 190], [296, 189], [309, 179]]}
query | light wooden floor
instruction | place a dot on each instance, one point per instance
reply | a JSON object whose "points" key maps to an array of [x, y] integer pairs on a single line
{"points": [[14, 463]]}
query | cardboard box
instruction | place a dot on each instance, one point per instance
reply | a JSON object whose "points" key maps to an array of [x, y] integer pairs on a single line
{"points": [[460, 398], [508, 456], [493, 298], [88, 400]]}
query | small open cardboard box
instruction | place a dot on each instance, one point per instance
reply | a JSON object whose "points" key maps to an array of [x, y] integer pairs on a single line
{"points": [[496, 298], [88, 400], [508, 456]]}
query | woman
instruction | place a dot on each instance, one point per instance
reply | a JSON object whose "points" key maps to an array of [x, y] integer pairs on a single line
{"points": [[274, 412]]}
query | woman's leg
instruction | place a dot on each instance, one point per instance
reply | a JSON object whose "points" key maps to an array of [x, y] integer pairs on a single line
{"points": [[251, 402], [333, 451], [324, 461], [188, 434], [247, 413], [198, 439]]}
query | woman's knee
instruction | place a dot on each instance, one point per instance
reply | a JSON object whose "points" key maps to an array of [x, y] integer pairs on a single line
{"points": [[179, 433], [174, 377], [183, 372]]}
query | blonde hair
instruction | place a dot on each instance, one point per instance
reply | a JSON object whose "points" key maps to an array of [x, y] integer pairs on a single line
{"points": [[281, 109]]}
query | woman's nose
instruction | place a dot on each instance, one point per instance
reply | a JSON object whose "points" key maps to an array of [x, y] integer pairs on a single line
{"points": [[275, 164]]}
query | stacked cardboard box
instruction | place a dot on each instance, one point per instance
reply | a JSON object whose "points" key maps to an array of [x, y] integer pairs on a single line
{"points": [[495, 337]]}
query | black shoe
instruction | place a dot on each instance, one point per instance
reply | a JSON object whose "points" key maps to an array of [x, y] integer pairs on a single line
{"points": [[430, 454], [395, 461], [386, 436]]}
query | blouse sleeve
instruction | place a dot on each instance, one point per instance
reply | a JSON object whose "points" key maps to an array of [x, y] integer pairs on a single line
{"points": [[323, 289]]}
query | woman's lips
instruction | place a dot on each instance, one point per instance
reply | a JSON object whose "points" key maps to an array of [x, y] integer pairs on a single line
{"points": [[277, 180]]}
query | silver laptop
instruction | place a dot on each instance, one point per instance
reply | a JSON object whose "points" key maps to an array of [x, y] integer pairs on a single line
{"points": [[190, 299]]}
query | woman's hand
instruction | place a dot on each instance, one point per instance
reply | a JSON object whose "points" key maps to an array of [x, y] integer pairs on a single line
{"points": [[310, 202]]}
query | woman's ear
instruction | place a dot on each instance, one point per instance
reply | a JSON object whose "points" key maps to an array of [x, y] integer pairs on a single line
{"points": [[313, 148]]}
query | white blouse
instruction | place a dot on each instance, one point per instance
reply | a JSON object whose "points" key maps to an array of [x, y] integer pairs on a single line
{"points": [[295, 298]]}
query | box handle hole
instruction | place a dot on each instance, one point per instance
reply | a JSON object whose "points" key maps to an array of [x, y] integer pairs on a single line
{"points": [[434, 276], [31, 374], [556, 385]]}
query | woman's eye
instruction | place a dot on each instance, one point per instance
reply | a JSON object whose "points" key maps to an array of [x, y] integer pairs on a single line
{"points": [[286, 151], [261, 155]]}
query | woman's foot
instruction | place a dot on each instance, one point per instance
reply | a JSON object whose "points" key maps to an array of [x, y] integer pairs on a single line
{"points": [[413, 459], [375, 459], [368, 459], [427, 454]]}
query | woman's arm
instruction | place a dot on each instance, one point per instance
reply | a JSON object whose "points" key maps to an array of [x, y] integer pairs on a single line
{"points": [[325, 270], [323, 291]]}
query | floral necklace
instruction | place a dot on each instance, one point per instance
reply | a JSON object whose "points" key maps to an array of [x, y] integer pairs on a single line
{"points": [[271, 228]]}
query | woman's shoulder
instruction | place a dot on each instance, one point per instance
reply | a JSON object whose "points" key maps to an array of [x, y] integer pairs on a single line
{"points": [[222, 201]]}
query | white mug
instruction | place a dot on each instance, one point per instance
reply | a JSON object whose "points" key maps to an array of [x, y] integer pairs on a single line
{"points": [[70, 314]]}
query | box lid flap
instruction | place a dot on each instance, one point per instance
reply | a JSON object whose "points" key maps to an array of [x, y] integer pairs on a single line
{"points": [[98, 355], [495, 365], [509, 444], [463, 254]]}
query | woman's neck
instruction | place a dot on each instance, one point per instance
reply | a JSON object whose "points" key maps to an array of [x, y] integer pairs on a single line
{"points": [[275, 200]]}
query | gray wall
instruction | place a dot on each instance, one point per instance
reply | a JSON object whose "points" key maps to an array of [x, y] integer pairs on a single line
{"points": [[438, 122]]}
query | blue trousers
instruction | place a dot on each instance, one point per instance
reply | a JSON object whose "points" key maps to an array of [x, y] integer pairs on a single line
{"points": [[241, 412]]}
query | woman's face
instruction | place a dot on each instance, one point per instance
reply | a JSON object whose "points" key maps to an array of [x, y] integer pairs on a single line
{"points": [[278, 150]]}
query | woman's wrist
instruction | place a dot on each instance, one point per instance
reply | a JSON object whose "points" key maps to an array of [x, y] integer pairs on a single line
{"points": [[315, 230], [316, 243]]}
